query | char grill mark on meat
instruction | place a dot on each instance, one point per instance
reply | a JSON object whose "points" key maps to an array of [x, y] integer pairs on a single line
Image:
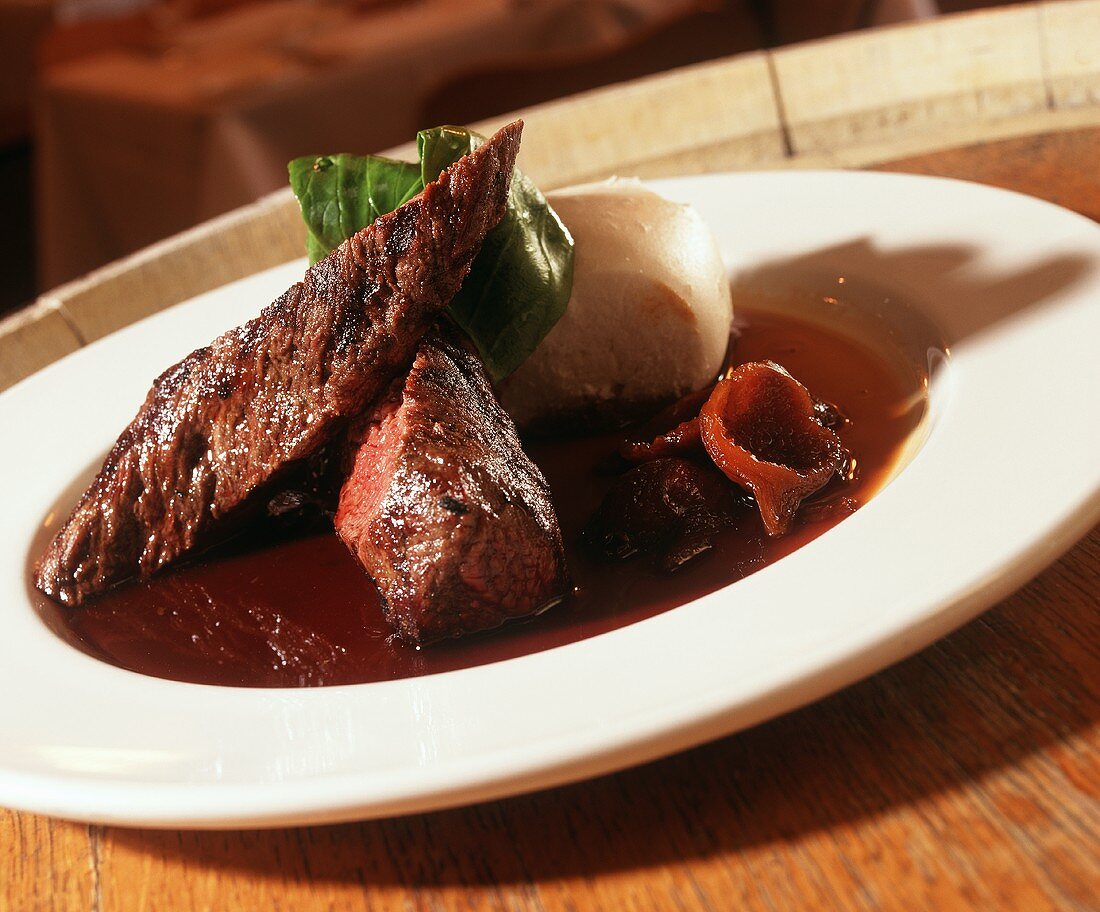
{"points": [[443, 508], [235, 417]]}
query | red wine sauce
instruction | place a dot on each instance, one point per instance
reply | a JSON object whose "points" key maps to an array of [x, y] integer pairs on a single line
{"points": [[300, 612]]}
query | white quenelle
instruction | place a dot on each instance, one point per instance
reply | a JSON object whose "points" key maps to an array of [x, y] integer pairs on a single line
{"points": [[649, 316]]}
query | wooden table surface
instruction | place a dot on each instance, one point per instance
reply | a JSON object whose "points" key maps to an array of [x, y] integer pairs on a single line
{"points": [[967, 777]]}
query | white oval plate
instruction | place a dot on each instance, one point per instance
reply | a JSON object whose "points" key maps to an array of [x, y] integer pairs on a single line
{"points": [[1008, 478]]}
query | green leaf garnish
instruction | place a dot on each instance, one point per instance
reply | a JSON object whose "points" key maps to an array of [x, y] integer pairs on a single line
{"points": [[520, 282], [341, 194]]}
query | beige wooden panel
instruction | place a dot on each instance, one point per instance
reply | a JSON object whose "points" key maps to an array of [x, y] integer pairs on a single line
{"points": [[1071, 35], [714, 115], [32, 338], [237, 244], [869, 154], [873, 86]]}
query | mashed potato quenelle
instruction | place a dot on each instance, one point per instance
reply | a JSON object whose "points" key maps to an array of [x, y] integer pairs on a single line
{"points": [[649, 316]]}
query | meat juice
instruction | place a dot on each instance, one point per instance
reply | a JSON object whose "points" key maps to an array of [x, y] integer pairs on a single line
{"points": [[272, 610]]}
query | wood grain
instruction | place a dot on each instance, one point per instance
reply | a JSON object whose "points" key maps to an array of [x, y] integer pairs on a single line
{"points": [[1059, 167], [265, 234], [967, 777], [900, 81], [32, 338], [689, 119], [1071, 50], [45, 864]]}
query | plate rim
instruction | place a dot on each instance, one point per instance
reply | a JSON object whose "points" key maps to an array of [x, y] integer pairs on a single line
{"points": [[178, 805]]}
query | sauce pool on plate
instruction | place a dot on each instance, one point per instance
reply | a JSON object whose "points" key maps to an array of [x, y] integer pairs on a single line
{"points": [[271, 611]]}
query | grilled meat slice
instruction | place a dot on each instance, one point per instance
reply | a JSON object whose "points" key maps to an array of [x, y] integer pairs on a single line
{"points": [[221, 427], [443, 508]]}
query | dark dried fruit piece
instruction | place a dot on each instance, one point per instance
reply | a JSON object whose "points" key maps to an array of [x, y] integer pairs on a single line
{"points": [[760, 427], [669, 507]]}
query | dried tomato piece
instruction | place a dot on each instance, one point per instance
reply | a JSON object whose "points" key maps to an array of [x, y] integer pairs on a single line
{"points": [[684, 438], [760, 428], [655, 441]]}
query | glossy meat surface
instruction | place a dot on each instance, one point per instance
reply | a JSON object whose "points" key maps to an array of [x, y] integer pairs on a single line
{"points": [[443, 508], [224, 426]]}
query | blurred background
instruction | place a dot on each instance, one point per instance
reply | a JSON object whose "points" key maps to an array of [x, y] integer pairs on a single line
{"points": [[125, 121]]}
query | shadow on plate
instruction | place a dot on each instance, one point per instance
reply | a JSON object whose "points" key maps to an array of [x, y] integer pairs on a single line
{"points": [[946, 288]]}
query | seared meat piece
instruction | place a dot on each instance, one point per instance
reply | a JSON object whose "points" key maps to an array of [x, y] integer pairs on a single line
{"points": [[220, 427], [444, 509]]}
